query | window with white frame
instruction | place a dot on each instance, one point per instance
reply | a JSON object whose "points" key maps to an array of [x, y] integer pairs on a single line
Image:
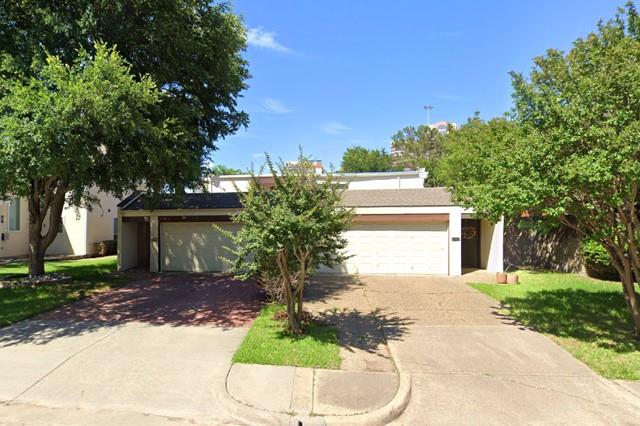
{"points": [[14, 214]]}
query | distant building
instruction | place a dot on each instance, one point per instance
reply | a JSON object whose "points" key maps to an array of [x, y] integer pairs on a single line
{"points": [[443, 126], [318, 169], [395, 151]]}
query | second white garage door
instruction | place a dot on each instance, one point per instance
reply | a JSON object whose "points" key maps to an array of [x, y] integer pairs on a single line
{"points": [[193, 246], [397, 248]]}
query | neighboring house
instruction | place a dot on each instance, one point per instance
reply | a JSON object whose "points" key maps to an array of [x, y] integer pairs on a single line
{"points": [[399, 228], [80, 229]]}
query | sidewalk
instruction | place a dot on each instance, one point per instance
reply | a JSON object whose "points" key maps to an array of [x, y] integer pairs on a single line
{"points": [[310, 391]]}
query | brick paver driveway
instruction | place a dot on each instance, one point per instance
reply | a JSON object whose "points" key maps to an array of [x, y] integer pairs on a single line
{"points": [[471, 365], [154, 351]]}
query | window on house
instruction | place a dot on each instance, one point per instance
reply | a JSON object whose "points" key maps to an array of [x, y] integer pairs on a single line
{"points": [[14, 214], [115, 228]]}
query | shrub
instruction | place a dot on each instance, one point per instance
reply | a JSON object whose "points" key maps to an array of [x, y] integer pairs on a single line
{"points": [[597, 261]]}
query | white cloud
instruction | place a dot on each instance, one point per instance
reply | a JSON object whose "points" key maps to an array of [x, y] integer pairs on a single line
{"points": [[266, 39], [275, 106], [334, 128]]}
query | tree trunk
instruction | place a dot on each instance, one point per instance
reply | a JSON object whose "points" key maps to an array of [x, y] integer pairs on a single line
{"points": [[46, 198], [299, 302], [295, 326], [631, 298], [36, 254]]}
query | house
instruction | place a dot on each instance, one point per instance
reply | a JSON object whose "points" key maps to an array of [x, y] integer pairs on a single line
{"points": [[399, 228], [81, 227], [376, 180]]}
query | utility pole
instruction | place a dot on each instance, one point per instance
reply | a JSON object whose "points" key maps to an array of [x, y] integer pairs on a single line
{"points": [[428, 108]]}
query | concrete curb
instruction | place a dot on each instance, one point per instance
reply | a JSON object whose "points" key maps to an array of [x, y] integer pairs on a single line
{"points": [[247, 413], [383, 415]]}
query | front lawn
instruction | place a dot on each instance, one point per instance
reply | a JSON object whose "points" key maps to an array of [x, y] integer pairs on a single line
{"points": [[587, 317], [89, 276], [268, 343]]}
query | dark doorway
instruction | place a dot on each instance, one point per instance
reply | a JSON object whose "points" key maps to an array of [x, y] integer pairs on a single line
{"points": [[144, 232], [470, 243]]}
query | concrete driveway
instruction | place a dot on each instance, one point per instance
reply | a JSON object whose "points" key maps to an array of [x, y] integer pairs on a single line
{"points": [[471, 365], [156, 351]]}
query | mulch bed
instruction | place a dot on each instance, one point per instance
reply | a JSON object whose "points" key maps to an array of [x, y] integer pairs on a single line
{"points": [[26, 281]]}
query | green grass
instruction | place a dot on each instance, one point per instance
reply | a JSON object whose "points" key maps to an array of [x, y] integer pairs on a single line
{"points": [[587, 317], [89, 276], [268, 343]]}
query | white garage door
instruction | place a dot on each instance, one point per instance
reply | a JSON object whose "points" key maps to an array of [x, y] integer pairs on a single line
{"points": [[397, 248], [193, 246]]}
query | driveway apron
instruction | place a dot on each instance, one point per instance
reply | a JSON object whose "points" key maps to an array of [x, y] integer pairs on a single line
{"points": [[160, 346], [470, 364]]}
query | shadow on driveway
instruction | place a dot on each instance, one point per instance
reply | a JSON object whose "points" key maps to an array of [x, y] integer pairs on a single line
{"points": [[340, 300], [174, 299]]}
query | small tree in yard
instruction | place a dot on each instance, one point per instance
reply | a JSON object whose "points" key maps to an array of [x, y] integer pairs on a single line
{"points": [[571, 153], [288, 231]]}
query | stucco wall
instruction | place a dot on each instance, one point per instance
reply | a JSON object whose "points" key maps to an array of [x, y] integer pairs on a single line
{"points": [[391, 182], [16, 243], [80, 229], [491, 246], [557, 249], [100, 220], [72, 239], [372, 181], [127, 245]]}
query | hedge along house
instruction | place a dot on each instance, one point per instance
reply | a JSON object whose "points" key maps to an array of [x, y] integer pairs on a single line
{"points": [[399, 228]]}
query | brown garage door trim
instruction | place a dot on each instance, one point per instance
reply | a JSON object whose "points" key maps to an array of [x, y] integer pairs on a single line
{"points": [[218, 218], [403, 218]]}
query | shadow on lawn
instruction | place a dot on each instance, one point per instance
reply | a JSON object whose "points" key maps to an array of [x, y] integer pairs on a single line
{"points": [[90, 269], [599, 317]]}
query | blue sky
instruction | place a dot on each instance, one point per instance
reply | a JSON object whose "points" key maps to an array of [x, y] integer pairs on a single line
{"points": [[328, 75]]}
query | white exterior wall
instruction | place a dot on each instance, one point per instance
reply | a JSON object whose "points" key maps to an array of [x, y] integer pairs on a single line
{"points": [[455, 241], [154, 238], [100, 221], [16, 243], [226, 183], [491, 246], [73, 238], [127, 245], [81, 228], [390, 180]]}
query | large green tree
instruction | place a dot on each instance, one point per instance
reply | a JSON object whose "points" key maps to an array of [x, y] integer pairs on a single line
{"points": [[418, 147], [288, 231], [573, 155], [221, 169], [191, 51], [358, 159], [65, 129]]}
